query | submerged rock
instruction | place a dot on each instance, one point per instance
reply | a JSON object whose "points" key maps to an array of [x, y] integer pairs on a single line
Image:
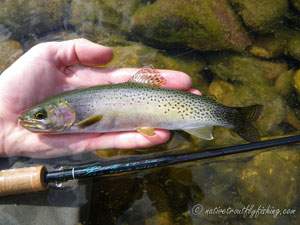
{"points": [[283, 83], [270, 178], [261, 15], [138, 56], [170, 191], [218, 181], [296, 82], [250, 87], [159, 197], [296, 4], [224, 93], [291, 118], [28, 16], [273, 69], [51, 36], [293, 47], [222, 90], [268, 47], [202, 25], [10, 51], [105, 21], [111, 197], [5, 33]]}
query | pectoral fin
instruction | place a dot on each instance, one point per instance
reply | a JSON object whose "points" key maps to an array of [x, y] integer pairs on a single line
{"points": [[148, 75], [88, 122], [203, 132], [147, 131]]}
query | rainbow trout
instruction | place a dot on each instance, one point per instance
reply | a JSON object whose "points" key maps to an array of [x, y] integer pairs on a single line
{"points": [[140, 105]]}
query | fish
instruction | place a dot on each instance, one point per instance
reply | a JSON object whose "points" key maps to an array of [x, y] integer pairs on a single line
{"points": [[141, 105]]}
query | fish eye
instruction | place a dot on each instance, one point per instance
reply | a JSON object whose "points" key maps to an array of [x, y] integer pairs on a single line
{"points": [[41, 115]]}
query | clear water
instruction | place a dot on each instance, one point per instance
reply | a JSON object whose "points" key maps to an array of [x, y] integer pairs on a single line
{"points": [[254, 188]]}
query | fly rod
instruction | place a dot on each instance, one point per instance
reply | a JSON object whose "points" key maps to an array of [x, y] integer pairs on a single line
{"points": [[32, 179]]}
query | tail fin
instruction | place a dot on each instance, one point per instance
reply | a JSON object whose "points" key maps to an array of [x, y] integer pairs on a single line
{"points": [[243, 126]]}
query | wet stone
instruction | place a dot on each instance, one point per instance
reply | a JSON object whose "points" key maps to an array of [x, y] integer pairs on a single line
{"points": [[268, 47], [270, 179], [103, 21], [283, 83], [296, 82], [293, 47], [296, 4], [202, 25], [249, 86], [138, 56], [261, 15], [10, 51], [5, 33], [25, 18]]}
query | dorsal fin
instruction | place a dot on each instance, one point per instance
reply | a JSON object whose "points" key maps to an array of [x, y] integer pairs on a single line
{"points": [[148, 75]]}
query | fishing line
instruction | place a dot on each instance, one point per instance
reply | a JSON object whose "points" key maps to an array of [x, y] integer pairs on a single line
{"points": [[184, 53]]}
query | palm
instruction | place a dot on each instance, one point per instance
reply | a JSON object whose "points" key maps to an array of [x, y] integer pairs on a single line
{"points": [[47, 70]]}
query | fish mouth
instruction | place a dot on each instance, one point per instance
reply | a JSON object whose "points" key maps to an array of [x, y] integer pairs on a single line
{"points": [[31, 124], [35, 126]]}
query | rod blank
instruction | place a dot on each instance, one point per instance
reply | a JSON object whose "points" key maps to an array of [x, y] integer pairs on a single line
{"points": [[32, 179]]}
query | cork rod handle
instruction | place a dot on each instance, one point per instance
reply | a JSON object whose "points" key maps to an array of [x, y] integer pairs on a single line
{"points": [[23, 180]]}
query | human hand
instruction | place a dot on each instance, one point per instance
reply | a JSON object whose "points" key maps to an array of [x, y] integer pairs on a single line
{"points": [[51, 68]]}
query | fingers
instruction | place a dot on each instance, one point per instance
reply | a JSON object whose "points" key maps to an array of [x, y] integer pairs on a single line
{"points": [[126, 140], [72, 52], [194, 91], [67, 144], [79, 76], [82, 51]]}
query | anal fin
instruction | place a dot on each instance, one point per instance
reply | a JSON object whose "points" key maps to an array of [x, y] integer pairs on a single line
{"points": [[147, 131], [202, 132], [88, 122]]}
